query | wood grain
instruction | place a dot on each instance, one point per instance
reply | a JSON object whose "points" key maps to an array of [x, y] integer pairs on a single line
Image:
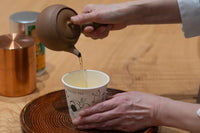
{"points": [[149, 58]]}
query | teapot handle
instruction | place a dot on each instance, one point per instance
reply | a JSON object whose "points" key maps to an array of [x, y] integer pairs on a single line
{"points": [[93, 24]]}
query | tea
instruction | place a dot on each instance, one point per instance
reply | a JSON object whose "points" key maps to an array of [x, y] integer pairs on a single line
{"points": [[83, 75]]}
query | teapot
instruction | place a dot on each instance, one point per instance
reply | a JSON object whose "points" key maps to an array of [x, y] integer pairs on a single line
{"points": [[57, 32]]}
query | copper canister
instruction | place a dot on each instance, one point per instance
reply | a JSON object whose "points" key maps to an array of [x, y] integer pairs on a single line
{"points": [[17, 65]]}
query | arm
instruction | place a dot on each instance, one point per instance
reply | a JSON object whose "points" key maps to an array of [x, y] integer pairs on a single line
{"points": [[180, 115], [153, 12], [120, 15]]}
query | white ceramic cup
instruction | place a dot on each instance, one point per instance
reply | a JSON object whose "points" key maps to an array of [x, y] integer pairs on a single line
{"points": [[84, 88]]}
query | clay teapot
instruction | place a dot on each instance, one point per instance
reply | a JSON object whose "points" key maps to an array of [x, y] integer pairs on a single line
{"points": [[56, 31]]}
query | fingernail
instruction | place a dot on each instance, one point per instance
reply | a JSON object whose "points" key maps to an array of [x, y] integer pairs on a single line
{"points": [[74, 19], [81, 113], [80, 127], [75, 121]]}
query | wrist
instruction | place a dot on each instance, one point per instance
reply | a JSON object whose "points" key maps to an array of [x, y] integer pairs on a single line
{"points": [[158, 113], [133, 10], [161, 110], [178, 114]]}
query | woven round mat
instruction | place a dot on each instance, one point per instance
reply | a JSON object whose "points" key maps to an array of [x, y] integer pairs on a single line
{"points": [[49, 114]]}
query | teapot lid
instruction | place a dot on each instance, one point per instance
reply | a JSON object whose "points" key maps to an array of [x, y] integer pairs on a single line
{"points": [[65, 28]]}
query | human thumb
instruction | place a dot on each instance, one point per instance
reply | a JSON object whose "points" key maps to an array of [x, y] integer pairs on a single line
{"points": [[82, 18]]}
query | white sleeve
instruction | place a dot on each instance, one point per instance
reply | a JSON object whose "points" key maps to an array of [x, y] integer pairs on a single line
{"points": [[190, 16]]}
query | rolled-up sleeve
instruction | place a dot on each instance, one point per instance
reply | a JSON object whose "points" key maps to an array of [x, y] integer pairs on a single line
{"points": [[190, 16]]}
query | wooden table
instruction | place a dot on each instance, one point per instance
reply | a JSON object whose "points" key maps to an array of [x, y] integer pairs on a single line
{"points": [[155, 59]]}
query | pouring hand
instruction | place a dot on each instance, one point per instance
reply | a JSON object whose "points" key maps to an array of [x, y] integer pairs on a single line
{"points": [[129, 111], [114, 15], [118, 16]]}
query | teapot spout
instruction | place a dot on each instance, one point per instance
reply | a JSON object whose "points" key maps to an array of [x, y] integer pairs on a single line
{"points": [[75, 51]]}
